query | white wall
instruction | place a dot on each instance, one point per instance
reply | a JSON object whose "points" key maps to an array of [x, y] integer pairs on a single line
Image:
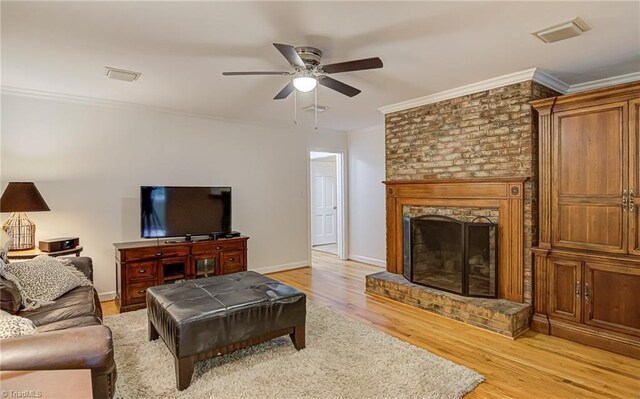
{"points": [[88, 161], [367, 196]]}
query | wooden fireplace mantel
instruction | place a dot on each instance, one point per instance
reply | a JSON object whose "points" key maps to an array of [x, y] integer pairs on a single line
{"points": [[506, 194]]}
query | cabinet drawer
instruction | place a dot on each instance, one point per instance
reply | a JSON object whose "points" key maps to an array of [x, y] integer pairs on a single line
{"points": [[142, 270], [231, 262], [155, 252], [137, 293], [215, 246]]}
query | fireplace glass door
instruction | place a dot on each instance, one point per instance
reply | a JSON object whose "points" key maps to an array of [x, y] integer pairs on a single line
{"points": [[451, 255]]}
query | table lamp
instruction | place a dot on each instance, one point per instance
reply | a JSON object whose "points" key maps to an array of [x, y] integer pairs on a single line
{"points": [[18, 198]]}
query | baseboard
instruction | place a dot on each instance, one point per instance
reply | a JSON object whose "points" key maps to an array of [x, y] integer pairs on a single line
{"points": [[281, 268], [107, 296], [368, 261]]}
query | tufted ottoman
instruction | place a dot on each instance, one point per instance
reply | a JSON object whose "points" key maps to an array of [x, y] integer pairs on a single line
{"points": [[208, 317]]}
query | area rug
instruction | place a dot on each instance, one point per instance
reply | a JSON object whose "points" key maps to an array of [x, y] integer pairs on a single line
{"points": [[343, 359]]}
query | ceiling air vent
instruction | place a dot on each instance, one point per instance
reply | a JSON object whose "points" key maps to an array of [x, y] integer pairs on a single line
{"points": [[565, 30], [122, 74]]}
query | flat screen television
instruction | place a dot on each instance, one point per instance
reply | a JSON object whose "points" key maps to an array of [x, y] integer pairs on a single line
{"points": [[182, 211]]}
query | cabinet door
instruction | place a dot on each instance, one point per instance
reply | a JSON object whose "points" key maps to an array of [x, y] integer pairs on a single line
{"points": [[173, 269], [204, 264], [612, 297], [565, 289], [589, 176], [634, 177]]}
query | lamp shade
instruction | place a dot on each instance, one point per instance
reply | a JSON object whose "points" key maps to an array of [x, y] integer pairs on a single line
{"points": [[22, 197]]}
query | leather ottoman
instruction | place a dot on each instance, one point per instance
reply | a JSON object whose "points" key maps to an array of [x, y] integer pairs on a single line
{"points": [[208, 317]]}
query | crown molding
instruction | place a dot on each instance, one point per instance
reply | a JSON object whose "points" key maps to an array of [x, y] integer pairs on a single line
{"points": [[551, 82], [596, 84], [102, 102], [488, 84], [535, 74]]}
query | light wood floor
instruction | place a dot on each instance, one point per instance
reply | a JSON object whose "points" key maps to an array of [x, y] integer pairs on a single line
{"points": [[533, 366]]}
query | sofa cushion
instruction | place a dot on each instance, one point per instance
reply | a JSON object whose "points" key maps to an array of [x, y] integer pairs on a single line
{"points": [[10, 299], [43, 279], [14, 326], [70, 323], [78, 302]]}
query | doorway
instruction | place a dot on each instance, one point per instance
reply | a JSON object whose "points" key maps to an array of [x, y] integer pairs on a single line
{"points": [[326, 202]]}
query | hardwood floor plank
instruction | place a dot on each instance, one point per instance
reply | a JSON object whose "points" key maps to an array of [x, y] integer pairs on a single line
{"points": [[534, 365]]}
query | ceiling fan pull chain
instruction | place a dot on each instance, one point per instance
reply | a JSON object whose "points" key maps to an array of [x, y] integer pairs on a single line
{"points": [[315, 95], [295, 107]]}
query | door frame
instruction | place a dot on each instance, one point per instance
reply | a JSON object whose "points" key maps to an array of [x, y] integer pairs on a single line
{"points": [[341, 202]]}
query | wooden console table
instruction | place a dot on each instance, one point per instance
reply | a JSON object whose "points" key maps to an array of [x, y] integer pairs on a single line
{"points": [[32, 253], [143, 264]]}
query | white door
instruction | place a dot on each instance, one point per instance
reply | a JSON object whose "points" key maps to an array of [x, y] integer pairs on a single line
{"points": [[323, 202]]}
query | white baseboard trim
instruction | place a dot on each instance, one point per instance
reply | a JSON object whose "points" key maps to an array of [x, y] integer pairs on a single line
{"points": [[107, 296], [368, 261], [280, 268]]}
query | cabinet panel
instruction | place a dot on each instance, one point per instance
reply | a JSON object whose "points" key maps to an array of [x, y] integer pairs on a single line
{"points": [[634, 177], [589, 175], [565, 289], [591, 226], [612, 297]]}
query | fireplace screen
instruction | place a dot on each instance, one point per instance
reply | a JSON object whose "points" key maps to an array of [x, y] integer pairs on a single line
{"points": [[452, 255]]}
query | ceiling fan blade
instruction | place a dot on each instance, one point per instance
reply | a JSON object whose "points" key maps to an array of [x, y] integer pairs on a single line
{"points": [[284, 93], [254, 73], [338, 86], [357, 65], [290, 54]]}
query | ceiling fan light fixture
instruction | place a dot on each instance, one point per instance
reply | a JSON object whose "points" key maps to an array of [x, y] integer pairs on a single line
{"points": [[305, 82]]}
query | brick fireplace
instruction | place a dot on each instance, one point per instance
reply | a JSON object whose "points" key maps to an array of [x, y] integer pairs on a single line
{"points": [[466, 157]]}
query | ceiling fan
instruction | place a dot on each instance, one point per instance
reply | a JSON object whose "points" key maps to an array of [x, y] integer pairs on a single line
{"points": [[308, 72]]}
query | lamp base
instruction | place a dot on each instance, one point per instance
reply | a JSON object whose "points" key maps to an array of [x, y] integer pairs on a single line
{"points": [[22, 230]]}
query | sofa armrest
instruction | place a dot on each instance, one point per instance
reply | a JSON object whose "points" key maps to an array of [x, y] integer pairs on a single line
{"points": [[82, 263], [89, 347]]}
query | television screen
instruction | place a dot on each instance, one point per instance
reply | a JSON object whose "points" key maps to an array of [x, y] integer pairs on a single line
{"points": [[178, 211]]}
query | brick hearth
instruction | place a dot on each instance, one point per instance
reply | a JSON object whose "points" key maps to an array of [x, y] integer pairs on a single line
{"points": [[498, 315]]}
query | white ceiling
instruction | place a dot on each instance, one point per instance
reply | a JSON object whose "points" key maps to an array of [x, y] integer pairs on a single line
{"points": [[182, 48]]}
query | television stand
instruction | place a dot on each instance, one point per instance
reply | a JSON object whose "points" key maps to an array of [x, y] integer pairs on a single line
{"points": [[144, 264]]}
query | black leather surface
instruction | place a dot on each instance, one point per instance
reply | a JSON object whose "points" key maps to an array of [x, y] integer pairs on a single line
{"points": [[199, 315]]}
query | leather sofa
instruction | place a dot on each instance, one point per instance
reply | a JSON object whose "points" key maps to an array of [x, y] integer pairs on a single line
{"points": [[70, 334]]}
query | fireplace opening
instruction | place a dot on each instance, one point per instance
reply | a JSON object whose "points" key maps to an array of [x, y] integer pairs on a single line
{"points": [[451, 255]]}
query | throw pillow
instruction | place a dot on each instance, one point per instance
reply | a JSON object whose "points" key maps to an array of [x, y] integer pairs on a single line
{"points": [[15, 326], [5, 243], [43, 279]]}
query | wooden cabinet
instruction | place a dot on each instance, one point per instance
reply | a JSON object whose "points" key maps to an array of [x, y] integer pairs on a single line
{"points": [[143, 264], [587, 262]]}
